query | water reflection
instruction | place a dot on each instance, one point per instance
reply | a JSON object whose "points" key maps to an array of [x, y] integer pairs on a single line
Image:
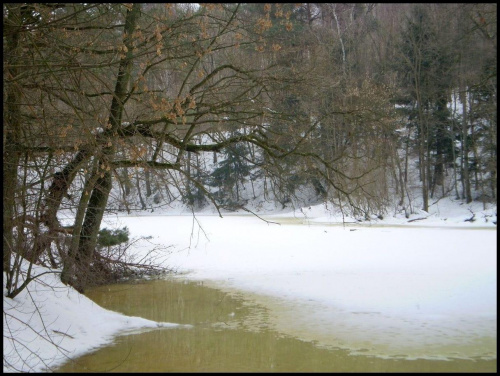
{"points": [[228, 335]]}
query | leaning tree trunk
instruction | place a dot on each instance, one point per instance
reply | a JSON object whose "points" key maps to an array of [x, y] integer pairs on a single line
{"points": [[89, 232], [58, 189], [100, 193], [69, 259]]}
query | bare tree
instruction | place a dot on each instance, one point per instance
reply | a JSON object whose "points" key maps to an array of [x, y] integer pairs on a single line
{"points": [[89, 69]]}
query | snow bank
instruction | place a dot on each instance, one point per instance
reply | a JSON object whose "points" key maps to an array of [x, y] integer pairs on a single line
{"points": [[49, 323]]}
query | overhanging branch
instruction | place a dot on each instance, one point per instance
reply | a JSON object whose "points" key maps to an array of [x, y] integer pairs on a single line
{"points": [[152, 164]]}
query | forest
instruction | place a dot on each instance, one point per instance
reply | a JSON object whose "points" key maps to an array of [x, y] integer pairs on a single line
{"points": [[132, 106]]}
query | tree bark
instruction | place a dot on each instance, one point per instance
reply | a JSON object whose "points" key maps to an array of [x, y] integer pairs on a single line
{"points": [[147, 177], [58, 189], [465, 148], [100, 193], [12, 133], [90, 230], [138, 185], [69, 260]]}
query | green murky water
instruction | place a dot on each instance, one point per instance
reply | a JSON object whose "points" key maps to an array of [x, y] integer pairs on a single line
{"points": [[229, 334]]}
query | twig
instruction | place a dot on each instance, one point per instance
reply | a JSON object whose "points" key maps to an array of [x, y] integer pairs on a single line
{"points": [[64, 334], [255, 214]]}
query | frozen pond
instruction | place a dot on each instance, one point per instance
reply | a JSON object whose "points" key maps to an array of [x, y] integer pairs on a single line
{"points": [[383, 291]]}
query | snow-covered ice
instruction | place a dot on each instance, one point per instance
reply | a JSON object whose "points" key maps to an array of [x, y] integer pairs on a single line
{"points": [[390, 287]]}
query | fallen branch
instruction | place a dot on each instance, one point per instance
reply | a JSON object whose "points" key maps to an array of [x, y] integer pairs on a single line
{"points": [[471, 219], [417, 219]]}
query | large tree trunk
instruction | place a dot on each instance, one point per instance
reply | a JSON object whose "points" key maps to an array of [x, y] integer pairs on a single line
{"points": [[69, 259], [90, 230], [100, 193], [12, 134]]}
